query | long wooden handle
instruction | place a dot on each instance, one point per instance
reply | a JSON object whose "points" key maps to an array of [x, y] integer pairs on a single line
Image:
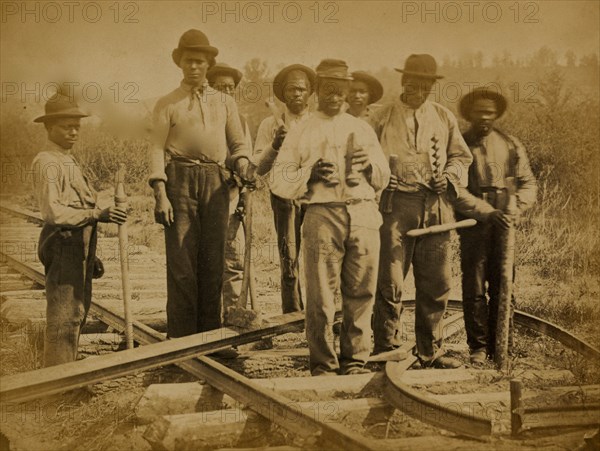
{"points": [[275, 112], [442, 228], [121, 201]]}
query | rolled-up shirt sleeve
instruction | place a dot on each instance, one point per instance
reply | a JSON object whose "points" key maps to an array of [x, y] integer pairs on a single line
{"points": [[161, 123], [380, 169], [264, 154], [48, 179], [526, 182]]}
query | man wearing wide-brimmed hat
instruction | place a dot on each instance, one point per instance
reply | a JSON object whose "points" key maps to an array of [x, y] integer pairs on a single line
{"points": [[196, 130], [334, 165], [496, 156], [225, 79], [432, 162], [293, 86], [365, 90], [67, 245]]}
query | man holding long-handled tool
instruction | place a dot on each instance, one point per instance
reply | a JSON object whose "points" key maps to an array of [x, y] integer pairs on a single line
{"points": [[500, 171], [67, 246], [237, 279], [196, 130], [430, 168], [293, 85]]}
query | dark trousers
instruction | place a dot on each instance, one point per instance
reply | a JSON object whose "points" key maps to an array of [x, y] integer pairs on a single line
{"points": [[68, 257], [481, 253], [288, 221], [195, 246], [429, 256]]}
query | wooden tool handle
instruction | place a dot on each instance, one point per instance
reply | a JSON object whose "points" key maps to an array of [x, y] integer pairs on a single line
{"points": [[442, 228], [389, 194], [275, 112]]}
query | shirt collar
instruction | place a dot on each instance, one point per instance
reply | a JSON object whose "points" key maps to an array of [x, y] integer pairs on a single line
{"points": [[407, 108], [188, 88], [289, 116], [322, 115], [53, 147]]}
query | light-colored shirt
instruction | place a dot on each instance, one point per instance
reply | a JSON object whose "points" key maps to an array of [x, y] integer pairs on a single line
{"points": [[496, 157], [196, 124], [410, 134], [64, 195], [264, 154], [325, 137]]}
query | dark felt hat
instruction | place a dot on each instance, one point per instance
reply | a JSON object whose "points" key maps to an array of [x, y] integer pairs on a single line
{"points": [[193, 40], [280, 78], [422, 65], [466, 102], [333, 68], [223, 69], [375, 87], [60, 106]]}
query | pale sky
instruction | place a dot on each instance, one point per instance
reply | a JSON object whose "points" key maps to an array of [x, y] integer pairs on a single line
{"points": [[367, 34]]}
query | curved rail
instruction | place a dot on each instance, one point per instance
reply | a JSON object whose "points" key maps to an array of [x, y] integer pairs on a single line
{"points": [[425, 409]]}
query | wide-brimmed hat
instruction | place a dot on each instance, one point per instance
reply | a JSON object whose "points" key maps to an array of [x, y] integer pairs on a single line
{"points": [[223, 69], [193, 40], [333, 68], [280, 78], [375, 87], [467, 101], [422, 65], [60, 106]]}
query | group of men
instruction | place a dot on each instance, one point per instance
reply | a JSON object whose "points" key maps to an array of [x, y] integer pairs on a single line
{"points": [[347, 182]]}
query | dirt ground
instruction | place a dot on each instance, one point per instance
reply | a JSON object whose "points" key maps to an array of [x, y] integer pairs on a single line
{"points": [[101, 417]]}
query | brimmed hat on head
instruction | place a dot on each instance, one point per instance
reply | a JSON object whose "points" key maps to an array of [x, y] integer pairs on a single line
{"points": [[332, 68], [375, 87], [279, 80], [223, 69], [60, 106], [466, 102], [423, 66], [193, 40]]}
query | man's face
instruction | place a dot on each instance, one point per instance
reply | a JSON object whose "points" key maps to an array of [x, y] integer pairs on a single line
{"points": [[296, 92], [64, 131], [416, 90], [358, 97], [225, 84], [194, 65], [332, 93], [482, 116]]}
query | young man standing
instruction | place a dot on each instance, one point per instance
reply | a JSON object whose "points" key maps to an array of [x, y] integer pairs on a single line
{"points": [[432, 162], [496, 157], [293, 85], [225, 79], [67, 245], [334, 165], [364, 91], [196, 129]]}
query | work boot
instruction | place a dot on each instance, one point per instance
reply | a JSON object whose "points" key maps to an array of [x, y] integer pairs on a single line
{"points": [[442, 362], [353, 370], [477, 357]]}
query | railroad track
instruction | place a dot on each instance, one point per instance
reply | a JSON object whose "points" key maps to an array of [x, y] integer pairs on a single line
{"points": [[318, 423]]}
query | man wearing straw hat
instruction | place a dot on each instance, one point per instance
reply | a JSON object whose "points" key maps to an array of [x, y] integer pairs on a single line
{"points": [[334, 165], [293, 86], [196, 130], [432, 163], [496, 156], [225, 79], [365, 90], [67, 245]]}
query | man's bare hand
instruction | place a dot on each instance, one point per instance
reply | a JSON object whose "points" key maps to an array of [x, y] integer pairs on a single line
{"points": [[360, 159], [280, 135], [163, 211], [439, 185], [113, 214], [326, 172], [499, 219]]}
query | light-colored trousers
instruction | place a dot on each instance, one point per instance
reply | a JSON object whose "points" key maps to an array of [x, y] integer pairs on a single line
{"points": [[339, 253]]}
